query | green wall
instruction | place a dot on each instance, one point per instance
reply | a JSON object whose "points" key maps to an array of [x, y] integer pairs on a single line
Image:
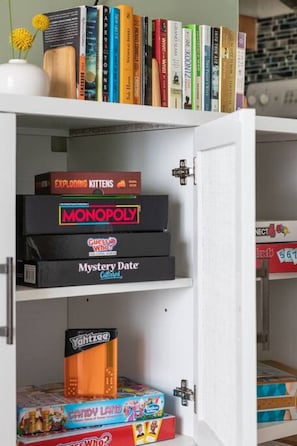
{"points": [[212, 12]]}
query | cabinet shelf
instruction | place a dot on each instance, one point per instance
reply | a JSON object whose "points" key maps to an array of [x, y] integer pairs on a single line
{"points": [[276, 430], [26, 293]]}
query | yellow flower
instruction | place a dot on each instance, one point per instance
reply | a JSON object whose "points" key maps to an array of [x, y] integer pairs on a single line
{"points": [[21, 39], [40, 22]]}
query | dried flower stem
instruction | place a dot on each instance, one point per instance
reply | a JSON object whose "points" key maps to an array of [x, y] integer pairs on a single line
{"points": [[10, 24]]}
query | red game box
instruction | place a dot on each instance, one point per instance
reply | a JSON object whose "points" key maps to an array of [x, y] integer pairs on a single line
{"points": [[128, 434], [282, 257], [88, 183]]}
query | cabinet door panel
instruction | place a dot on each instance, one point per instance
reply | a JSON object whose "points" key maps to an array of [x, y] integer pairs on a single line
{"points": [[7, 244], [225, 306]]}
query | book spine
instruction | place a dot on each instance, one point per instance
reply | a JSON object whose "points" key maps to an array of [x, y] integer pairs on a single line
{"points": [[147, 33], [228, 69], [160, 54], [82, 53], [240, 70], [105, 68], [215, 65], [113, 78], [137, 19], [174, 58], [187, 68], [91, 54], [99, 53], [205, 66], [126, 54]]}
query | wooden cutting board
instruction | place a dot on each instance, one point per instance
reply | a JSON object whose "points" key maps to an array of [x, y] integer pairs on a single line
{"points": [[60, 64]]}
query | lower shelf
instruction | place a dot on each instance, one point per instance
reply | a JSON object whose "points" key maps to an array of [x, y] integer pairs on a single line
{"points": [[26, 293], [179, 440], [276, 430]]}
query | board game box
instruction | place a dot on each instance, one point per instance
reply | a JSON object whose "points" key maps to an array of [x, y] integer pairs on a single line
{"points": [[88, 183], [81, 246], [128, 434], [46, 409], [56, 214], [276, 392], [281, 257], [276, 231], [56, 273]]}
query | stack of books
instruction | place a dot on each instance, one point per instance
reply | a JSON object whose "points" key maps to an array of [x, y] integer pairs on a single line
{"points": [[105, 53]]}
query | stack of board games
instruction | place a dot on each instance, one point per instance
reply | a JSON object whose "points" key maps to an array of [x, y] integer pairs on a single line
{"points": [[88, 236], [276, 392], [134, 416], [276, 243]]}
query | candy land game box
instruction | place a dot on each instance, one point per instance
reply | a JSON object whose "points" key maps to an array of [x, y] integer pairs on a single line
{"points": [[42, 409]]}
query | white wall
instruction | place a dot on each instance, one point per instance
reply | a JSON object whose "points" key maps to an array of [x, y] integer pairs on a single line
{"points": [[188, 11]]}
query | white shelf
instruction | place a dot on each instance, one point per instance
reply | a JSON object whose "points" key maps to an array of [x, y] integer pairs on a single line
{"points": [[282, 276], [24, 293], [275, 430], [34, 113], [179, 440], [275, 129]]}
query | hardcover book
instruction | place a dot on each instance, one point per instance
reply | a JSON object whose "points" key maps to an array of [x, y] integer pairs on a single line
{"points": [[102, 56], [187, 68], [113, 54], [137, 28], [215, 68], [227, 69], [88, 183], [205, 42], [126, 54], [174, 59], [160, 53], [91, 54], [64, 47], [147, 51], [196, 68], [240, 70]]}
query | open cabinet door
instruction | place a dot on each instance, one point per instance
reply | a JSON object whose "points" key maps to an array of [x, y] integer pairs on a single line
{"points": [[225, 319], [7, 253]]}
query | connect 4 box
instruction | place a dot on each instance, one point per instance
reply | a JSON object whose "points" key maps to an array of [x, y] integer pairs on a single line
{"points": [[45, 409], [128, 434], [276, 231], [276, 392]]}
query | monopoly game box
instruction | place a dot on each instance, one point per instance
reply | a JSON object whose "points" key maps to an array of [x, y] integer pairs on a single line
{"points": [[57, 214]]}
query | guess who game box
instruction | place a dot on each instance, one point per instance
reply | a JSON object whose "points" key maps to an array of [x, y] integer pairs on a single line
{"points": [[88, 183], [45, 409], [276, 392], [128, 434], [56, 214], [281, 257]]}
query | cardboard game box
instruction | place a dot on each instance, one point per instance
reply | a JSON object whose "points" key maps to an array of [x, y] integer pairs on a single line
{"points": [[276, 392], [56, 273], [83, 246], [129, 434], [56, 214], [88, 183], [46, 409], [281, 257], [276, 231]]}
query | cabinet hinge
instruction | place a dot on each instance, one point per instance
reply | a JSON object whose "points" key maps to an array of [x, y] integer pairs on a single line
{"points": [[183, 172], [185, 393]]}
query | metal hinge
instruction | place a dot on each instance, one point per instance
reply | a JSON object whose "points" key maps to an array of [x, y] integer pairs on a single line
{"points": [[183, 172], [185, 393]]}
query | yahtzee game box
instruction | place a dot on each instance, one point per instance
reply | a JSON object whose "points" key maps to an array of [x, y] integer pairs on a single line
{"points": [[46, 409], [128, 434]]}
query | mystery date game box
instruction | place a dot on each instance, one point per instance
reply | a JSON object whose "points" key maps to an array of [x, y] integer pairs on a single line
{"points": [[46, 409], [127, 434], [56, 214], [56, 273], [82, 246], [88, 183], [276, 392]]}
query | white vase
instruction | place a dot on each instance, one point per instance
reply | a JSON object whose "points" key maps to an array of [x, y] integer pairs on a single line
{"points": [[20, 77]]}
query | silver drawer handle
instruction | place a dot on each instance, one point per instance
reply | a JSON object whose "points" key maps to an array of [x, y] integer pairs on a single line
{"points": [[7, 331]]}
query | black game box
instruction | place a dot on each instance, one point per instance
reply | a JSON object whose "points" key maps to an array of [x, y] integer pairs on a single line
{"points": [[59, 273], [55, 214], [81, 246]]}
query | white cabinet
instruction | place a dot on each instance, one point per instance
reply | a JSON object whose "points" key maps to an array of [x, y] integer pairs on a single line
{"points": [[200, 327]]}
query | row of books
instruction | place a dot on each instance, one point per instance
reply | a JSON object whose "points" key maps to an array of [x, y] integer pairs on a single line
{"points": [[106, 53]]}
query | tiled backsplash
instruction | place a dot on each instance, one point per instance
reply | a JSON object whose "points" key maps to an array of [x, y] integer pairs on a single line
{"points": [[276, 57]]}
